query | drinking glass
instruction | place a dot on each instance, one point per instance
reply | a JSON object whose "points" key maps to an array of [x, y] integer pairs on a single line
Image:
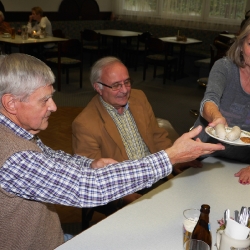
{"points": [[196, 245], [191, 217]]}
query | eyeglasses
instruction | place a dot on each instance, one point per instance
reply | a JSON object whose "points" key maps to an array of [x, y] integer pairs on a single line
{"points": [[118, 85]]}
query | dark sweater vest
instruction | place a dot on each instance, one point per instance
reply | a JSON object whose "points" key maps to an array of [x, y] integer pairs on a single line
{"points": [[25, 224]]}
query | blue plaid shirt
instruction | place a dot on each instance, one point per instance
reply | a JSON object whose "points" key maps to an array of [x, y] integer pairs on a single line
{"points": [[60, 178]]}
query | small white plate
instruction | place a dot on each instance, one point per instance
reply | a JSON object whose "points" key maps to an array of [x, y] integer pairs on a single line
{"points": [[211, 132]]}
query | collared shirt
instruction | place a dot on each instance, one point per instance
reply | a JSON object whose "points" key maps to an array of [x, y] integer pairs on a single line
{"points": [[59, 178], [134, 145]]}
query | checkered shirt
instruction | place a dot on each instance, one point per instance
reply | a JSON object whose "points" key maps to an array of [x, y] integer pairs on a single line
{"points": [[60, 178]]}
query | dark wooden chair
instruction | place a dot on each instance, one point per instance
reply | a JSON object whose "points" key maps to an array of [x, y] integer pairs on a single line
{"points": [[156, 54], [133, 52], [92, 45], [70, 58]]}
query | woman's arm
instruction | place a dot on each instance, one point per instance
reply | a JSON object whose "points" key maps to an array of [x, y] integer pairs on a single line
{"points": [[212, 114]]}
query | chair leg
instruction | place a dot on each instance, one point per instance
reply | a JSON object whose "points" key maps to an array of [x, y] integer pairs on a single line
{"points": [[144, 71], [155, 67], [81, 76], [67, 76]]}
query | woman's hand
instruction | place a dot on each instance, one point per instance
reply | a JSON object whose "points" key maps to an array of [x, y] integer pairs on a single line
{"points": [[244, 176], [218, 120]]}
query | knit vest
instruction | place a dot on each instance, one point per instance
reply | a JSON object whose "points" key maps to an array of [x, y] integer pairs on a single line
{"points": [[25, 224]]}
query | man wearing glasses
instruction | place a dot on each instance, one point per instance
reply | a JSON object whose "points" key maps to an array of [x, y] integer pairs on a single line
{"points": [[118, 122]]}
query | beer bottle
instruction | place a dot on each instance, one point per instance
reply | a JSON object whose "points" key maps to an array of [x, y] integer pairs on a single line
{"points": [[202, 228]]}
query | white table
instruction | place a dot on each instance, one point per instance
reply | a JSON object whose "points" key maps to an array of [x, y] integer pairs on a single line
{"points": [[155, 220], [172, 41], [18, 41], [231, 36]]}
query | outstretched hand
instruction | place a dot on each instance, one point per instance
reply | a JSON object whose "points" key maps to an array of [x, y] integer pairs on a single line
{"points": [[102, 162], [186, 149], [244, 175]]}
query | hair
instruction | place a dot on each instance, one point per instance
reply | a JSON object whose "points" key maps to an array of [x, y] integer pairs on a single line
{"points": [[97, 68], [235, 51], [21, 75], [38, 10]]}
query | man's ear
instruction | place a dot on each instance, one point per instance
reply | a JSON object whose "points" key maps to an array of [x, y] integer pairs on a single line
{"points": [[97, 88], [8, 102]]}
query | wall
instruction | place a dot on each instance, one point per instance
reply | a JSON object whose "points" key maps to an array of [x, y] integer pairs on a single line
{"points": [[46, 5]]}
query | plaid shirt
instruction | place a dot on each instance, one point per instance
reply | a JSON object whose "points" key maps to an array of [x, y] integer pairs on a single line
{"points": [[134, 145], [59, 178]]}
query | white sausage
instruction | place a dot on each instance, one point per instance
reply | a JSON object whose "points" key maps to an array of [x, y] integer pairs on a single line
{"points": [[234, 134], [220, 131]]}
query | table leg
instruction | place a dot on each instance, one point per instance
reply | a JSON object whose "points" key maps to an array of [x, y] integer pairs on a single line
{"points": [[182, 59]]}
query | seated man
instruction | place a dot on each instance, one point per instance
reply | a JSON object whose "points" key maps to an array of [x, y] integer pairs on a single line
{"points": [[118, 122], [33, 176]]}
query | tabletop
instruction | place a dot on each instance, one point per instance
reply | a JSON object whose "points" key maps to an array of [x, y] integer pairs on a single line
{"points": [[172, 39], [19, 41], [155, 220], [231, 36], [118, 33]]}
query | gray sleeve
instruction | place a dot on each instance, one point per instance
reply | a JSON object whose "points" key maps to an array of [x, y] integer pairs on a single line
{"points": [[216, 83]]}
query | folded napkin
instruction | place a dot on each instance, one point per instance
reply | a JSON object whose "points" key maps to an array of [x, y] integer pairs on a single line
{"points": [[235, 230]]}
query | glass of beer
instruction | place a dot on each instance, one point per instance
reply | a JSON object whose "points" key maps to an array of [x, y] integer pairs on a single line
{"points": [[191, 217], [13, 33]]}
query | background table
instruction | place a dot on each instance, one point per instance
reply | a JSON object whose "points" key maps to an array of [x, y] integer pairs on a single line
{"points": [[20, 43], [172, 41], [117, 36], [155, 220]]}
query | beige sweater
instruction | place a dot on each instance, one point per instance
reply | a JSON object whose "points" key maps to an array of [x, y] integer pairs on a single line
{"points": [[25, 224]]}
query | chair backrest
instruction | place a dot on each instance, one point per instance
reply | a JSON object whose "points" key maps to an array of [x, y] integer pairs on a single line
{"points": [[143, 38], [71, 48], [90, 36], [155, 46], [58, 33]]}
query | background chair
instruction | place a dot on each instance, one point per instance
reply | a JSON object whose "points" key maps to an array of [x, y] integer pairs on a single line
{"points": [[92, 44], [70, 57], [134, 51], [156, 53]]}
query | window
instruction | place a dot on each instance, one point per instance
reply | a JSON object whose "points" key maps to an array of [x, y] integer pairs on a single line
{"points": [[221, 11]]}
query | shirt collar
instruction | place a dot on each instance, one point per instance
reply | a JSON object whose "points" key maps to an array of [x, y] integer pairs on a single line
{"points": [[15, 128], [111, 108]]}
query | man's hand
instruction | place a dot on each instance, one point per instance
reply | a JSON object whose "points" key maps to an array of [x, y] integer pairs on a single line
{"points": [[244, 176], [100, 163], [178, 168], [186, 149]]}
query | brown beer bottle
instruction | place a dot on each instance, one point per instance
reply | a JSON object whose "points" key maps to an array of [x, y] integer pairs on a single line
{"points": [[202, 228]]}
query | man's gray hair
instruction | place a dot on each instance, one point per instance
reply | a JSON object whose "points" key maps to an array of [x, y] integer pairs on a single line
{"points": [[21, 75], [97, 68], [2, 15]]}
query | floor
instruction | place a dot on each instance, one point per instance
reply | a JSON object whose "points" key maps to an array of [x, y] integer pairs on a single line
{"points": [[171, 101]]}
